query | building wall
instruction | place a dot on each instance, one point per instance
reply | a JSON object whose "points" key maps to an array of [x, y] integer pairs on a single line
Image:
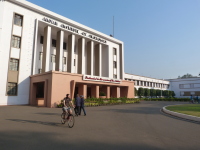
{"points": [[185, 87]]}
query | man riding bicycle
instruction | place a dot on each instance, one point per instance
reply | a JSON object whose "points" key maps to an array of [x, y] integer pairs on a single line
{"points": [[68, 105]]}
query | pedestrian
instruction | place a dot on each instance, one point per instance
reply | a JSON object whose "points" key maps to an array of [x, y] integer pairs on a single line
{"points": [[191, 99], [198, 100], [78, 105], [82, 105]]}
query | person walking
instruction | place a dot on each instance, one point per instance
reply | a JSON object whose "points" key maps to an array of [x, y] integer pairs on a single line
{"points": [[82, 105], [191, 99], [198, 100], [78, 104]]}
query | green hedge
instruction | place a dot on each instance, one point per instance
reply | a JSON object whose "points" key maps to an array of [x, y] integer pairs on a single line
{"points": [[167, 99], [110, 101], [106, 101]]}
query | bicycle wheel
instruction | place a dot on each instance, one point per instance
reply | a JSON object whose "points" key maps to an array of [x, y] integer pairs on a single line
{"points": [[71, 121], [63, 118]]}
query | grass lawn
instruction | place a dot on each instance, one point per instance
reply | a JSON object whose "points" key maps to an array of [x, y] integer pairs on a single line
{"points": [[189, 109]]}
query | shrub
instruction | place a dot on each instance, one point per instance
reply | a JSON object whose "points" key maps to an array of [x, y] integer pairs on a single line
{"points": [[61, 104], [102, 94]]}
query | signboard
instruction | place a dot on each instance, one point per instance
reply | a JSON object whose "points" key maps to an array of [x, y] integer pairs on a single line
{"points": [[101, 79], [74, 30]]}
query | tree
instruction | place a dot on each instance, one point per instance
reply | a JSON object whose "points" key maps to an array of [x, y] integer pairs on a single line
{"points": [[147, 92], [140, 92], [152, 92], [173, 94], [167, 93], [136, 92], [186, 76], [170, 93], [158, 92]]}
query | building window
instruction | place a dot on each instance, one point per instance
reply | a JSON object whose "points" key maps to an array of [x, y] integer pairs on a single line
{"points": [[16, 41], [74, 62], [53, 57], [40, 57], [114, 51], [39, 71], [64, 45], [53, 43], [18, 20], [114, 64], [14, 64], [64, 60], [41, 39], [12, 88]]}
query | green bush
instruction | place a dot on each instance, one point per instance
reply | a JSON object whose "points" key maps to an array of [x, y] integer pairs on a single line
{"points": [[61, 104], [102, 94]]}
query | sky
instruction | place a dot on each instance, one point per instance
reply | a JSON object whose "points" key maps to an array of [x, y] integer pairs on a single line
{"points": [[161, 37]]}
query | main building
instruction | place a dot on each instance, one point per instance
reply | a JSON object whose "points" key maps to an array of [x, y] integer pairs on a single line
{"points": [[44, 56]]}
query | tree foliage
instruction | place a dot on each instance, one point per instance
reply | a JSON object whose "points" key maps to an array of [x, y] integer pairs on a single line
{"points": [[136, 92], [186, 76], [140, 92]]}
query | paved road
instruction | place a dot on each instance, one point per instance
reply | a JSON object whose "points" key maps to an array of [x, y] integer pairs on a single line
{"points": [[127, 127]]}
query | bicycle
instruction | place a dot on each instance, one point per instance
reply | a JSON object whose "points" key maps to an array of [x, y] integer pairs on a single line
{"points": [[69, 118]]}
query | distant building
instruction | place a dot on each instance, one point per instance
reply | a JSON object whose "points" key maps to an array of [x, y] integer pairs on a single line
{"points": [[184, 87], [147, 82]]}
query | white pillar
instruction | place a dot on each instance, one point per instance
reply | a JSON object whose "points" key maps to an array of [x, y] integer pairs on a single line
{"points": [[110, 62], [100, 60], [92, 58], [83, 56], [70, 57], [118, 63], [59, 51], [46, 49], [121, 53], [35, 48]]}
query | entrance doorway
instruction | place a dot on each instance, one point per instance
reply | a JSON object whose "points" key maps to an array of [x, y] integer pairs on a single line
{"points": [[40, 94]]}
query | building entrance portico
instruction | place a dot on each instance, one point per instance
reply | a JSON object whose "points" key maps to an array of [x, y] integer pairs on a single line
{"points": [[94, 90], [58, 84]]}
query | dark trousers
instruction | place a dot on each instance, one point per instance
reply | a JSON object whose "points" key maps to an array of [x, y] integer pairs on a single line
{"points": [[77, 110], [82, 107]]}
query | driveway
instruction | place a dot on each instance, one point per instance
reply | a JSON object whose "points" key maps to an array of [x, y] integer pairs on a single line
{"points": [[127, 127]]}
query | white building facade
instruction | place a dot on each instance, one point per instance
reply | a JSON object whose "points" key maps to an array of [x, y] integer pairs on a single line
{"points": [[147, 82], [185, 87], [34, 41]]}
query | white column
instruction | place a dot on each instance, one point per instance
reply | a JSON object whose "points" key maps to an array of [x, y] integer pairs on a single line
{"points": [[100, 60], [121, 53], [46, 49], [118, 63], [83, 56], [92, 58], [70, 57], [110, 62], [59, 51], [35, 48]]}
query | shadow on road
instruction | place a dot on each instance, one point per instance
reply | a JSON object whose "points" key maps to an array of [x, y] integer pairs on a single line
{"points": [[42, 140], [50, 114], [36, 122]]}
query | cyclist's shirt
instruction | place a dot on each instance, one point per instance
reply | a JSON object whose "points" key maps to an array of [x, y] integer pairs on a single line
{"points": [[67, 100]]}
